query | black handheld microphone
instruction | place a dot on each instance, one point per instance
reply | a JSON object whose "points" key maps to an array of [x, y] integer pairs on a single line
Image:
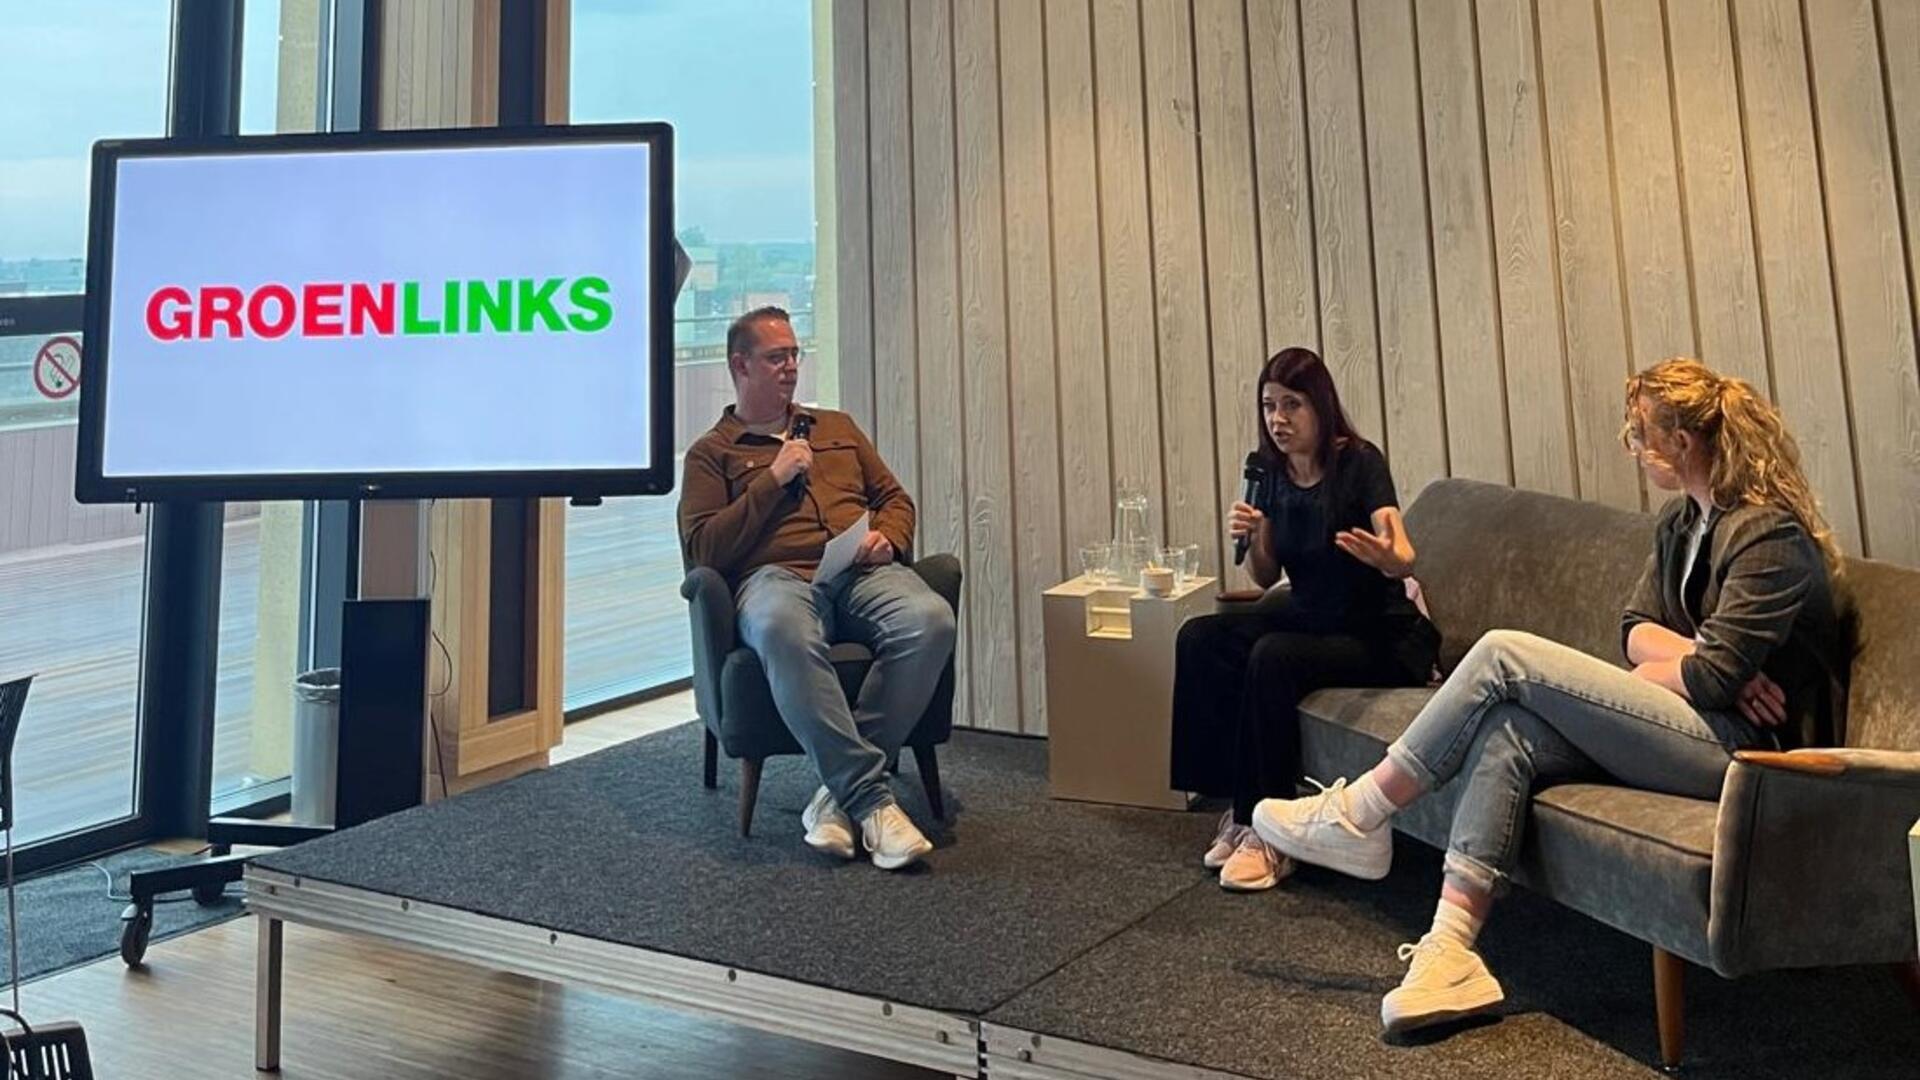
{"points": [[1255, 477], [800, 428]]}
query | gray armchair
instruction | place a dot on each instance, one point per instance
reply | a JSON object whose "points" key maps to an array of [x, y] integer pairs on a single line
{"points": [[736, 705]]}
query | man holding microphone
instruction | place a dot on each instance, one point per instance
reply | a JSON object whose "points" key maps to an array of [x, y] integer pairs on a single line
{"points": [[763, 491]]}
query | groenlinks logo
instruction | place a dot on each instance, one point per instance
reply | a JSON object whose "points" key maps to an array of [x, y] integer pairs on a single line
{"points": [[356, 309]]}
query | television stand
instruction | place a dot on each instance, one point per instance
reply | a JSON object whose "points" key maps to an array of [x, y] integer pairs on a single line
{"points": [[208, 878]]}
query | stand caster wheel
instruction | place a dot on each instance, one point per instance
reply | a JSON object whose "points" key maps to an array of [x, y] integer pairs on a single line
{"points": [[209, 894], [136, 927]]}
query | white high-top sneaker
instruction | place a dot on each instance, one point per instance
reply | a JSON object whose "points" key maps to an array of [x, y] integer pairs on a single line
{"points": [[1446, 981], [829, 829], [1317, 830], [892, 840]]}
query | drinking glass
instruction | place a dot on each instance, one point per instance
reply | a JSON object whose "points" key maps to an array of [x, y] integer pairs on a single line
{"points": [[1174, 559], [1096, 562], [1193, 560]]}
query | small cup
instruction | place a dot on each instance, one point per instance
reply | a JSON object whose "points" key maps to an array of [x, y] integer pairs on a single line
{"points": [[1156, 581], [1096, 561], [1174, 559]]}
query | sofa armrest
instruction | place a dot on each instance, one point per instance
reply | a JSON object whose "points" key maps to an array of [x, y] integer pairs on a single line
{"points": [[710, 611], [1810, 861], [1252, 600], [942, 575]]}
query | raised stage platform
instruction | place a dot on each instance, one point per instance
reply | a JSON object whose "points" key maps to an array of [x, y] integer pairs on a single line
{"points": [[1043, 940]]}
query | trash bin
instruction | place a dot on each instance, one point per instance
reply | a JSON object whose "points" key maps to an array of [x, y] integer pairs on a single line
{"points": [[316, 745]]}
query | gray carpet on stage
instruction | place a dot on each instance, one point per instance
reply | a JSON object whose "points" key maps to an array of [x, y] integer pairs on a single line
{"points": [[1085, 922]]}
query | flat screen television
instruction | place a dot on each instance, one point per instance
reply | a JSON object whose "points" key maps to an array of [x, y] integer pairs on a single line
{"points": [[403, 314]]}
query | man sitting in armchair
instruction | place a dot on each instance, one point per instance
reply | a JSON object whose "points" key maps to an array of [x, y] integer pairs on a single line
{"points": [[764, 490]]}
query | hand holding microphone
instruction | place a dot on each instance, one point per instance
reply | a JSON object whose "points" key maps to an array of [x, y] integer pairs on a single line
{"points": [[1245, 518], [795, 459]]}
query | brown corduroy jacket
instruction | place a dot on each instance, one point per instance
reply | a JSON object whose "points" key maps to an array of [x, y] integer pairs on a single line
{"points": [[735, 518]]}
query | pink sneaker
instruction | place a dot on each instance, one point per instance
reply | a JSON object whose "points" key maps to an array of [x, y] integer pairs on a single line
{"points": [[1254, 866], [1224, 841]]}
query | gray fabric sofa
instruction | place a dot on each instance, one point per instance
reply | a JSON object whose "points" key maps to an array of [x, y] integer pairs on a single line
{"points": [[1801, 863]]}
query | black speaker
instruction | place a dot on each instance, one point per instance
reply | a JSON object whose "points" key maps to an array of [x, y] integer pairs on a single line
{"points": [[383, 708]]}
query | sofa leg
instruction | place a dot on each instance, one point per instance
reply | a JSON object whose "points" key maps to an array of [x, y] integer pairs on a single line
{"points": [[929, 764], [749, 792], [710, 763], [1669, 1000]]}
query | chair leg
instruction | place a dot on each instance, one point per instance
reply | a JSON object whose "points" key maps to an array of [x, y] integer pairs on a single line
{"points": [[710, 765], [924, 757], [749, 792], [1669, 999]]}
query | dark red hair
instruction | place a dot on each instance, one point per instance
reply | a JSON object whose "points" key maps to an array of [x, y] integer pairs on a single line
{"points": [[1303, 372]]}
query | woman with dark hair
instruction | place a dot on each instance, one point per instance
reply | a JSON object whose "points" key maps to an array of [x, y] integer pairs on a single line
{"points": [[1330, 522]]}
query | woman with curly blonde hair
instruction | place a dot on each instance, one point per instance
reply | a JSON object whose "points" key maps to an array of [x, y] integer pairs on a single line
{"points": [[1734, 639]]}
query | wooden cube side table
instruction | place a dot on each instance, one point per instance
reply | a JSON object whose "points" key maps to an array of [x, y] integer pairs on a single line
{"points": [[1110, 658]]}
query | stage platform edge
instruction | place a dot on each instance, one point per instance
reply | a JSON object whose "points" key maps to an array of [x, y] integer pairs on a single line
{"points": [[1013, 1054], [926, 1038]]}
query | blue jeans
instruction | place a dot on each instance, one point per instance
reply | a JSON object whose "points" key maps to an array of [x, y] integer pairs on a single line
{"points": [[789, 623], [1521, 709]]}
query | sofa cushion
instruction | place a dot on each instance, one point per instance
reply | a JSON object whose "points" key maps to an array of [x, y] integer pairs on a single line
{"points": [[1883, 701], [1494, 557], [1636, 860]]}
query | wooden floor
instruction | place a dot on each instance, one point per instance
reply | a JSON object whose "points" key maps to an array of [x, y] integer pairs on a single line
{"points": [[356, 1011]]}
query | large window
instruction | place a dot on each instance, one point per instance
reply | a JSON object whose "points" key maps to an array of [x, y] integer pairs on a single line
{"points": [[735, 78], [71, 577]]}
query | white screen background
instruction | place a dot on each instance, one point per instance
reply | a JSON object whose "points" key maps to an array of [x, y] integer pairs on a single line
{"points": [[374, 404]]}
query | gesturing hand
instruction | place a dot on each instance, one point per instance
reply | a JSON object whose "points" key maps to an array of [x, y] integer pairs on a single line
{"points": [[1762, 701], [1373, 549]]}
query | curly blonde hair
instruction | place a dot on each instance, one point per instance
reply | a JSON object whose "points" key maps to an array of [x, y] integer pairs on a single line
{"points": [[1755, 459]]}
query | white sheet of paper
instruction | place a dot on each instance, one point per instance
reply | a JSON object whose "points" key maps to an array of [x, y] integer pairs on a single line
{"points": [[841, 550]]}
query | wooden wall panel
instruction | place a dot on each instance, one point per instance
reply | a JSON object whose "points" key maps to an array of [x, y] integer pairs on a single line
{"points": [[890, 185], [1485, 213], [1039, 558], [1790, 231], [1713, 171], [1416, 420], [1465, 289], [991, 620], [1869, 271], [1079, 311], [1180, 276], [1336, 140]]}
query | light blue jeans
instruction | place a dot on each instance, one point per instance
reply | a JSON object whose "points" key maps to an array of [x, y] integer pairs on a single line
{"points": [[790, 623], [1521, 709]]}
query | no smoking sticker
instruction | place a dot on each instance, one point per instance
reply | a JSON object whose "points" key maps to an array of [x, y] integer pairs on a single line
{"points": [[56, 368]]}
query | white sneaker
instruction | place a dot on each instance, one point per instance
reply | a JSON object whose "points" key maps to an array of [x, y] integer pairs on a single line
{"points": [[891, 838], [1254, 866], [1447, 981], [1317, 830], [829, 830], [1224, 841]]}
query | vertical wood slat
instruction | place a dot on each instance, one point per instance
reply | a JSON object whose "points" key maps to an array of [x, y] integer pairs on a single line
{"points": [[1126, 250], [1899, 44], [1348, 337], [943, 484], [1713, 173], [1870, 271], [1283, 187], [1590, 291], [1796, 282], [1079, 309], [1223, 82], [1517, 178], [1647, 183], [1462, 229], [890, 148], [853, 262], [1030, 342], [1402, 255], [992, 621]]}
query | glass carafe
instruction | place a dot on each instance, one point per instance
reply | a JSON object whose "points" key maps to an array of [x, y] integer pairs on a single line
{"points": [[1133, 542]]}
